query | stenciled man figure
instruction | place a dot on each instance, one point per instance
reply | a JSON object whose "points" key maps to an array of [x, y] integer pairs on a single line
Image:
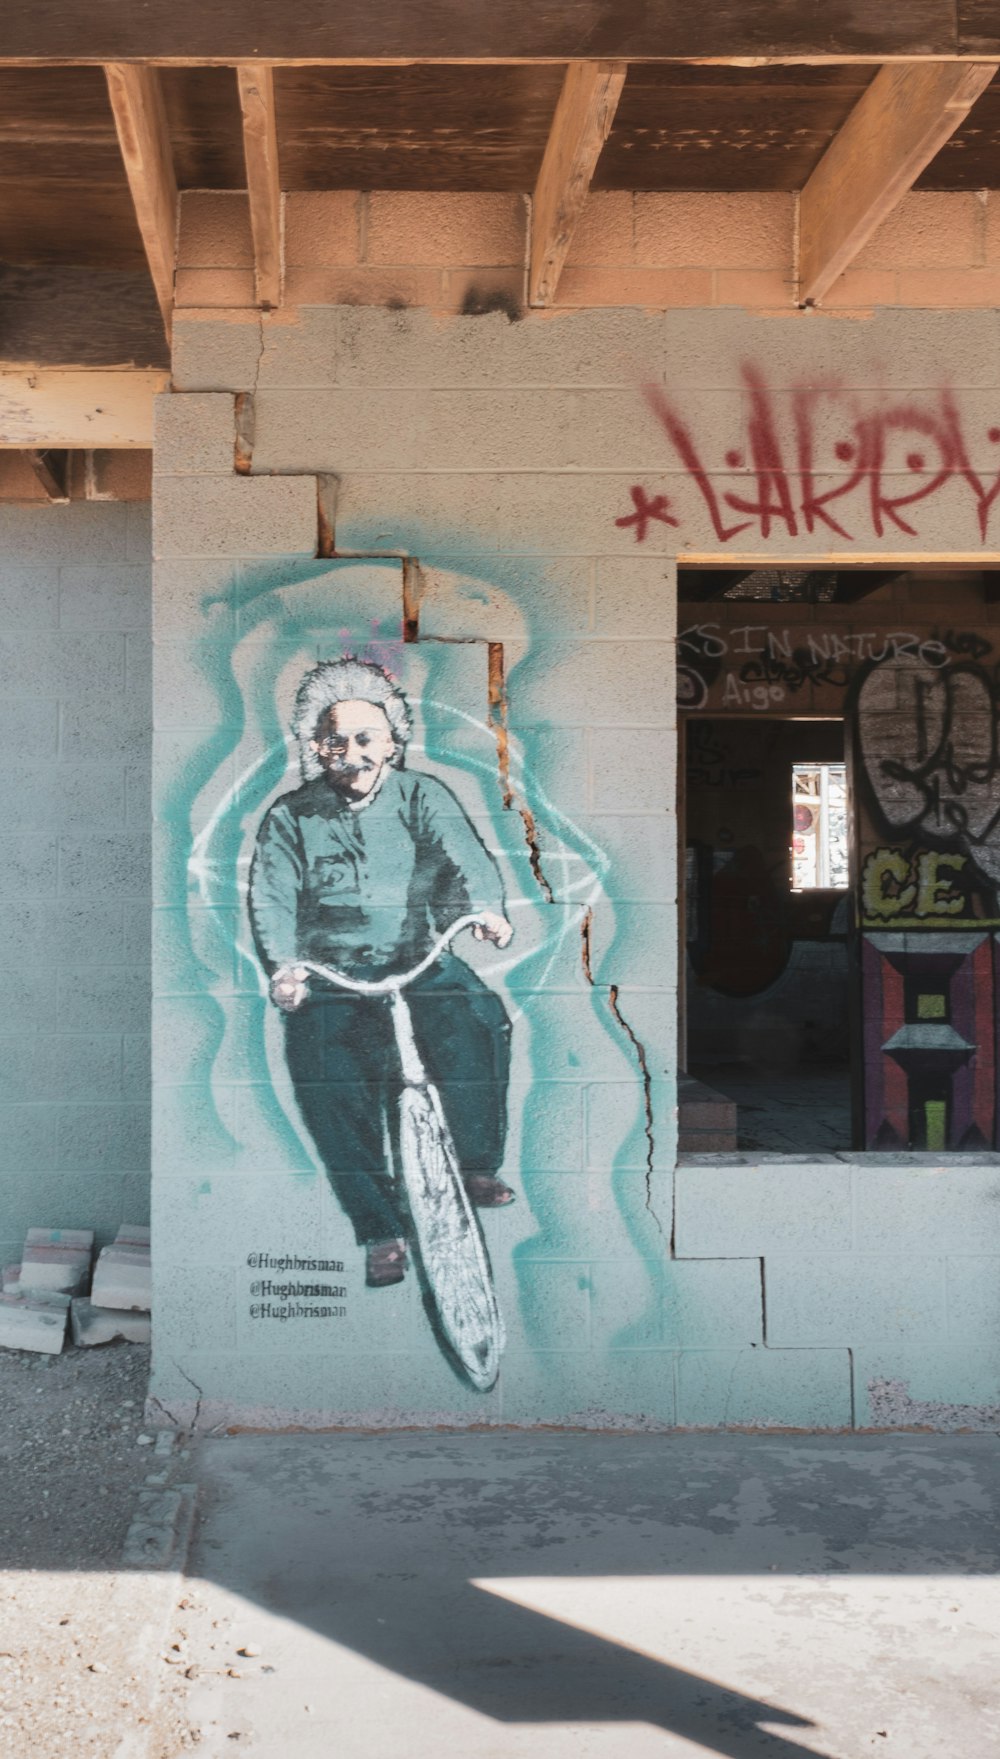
{"points": [[362, 868]]}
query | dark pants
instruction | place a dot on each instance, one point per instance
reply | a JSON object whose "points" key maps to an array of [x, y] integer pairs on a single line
{"points": [[344, 1065]]}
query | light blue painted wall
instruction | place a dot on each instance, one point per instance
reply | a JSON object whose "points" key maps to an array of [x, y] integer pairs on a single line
{"points": [[75, 696]]}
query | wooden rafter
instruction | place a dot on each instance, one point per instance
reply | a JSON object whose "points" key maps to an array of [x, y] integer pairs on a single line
{"points": [[580, 127], [893, 132], [260, 147], [52, 470], [141, 122]]}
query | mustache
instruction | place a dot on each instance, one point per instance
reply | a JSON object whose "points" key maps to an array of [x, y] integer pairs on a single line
{"points": [[343, 768]]}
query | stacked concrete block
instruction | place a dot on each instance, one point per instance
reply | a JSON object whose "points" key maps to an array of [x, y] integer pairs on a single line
{"points": [[34, 1321], [123, 1278], [91, 1325], [63, 1270]]}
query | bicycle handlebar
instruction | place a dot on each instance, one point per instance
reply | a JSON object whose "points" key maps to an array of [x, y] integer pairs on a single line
{"points": [[385, 985]]}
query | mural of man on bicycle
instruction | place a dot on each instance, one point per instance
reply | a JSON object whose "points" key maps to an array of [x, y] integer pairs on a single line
{"points": [[363, 870]]}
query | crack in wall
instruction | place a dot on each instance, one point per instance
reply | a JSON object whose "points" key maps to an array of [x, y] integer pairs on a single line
{"points": [[586, 927], [413, 579], [647, 1095], [245, 419], [326, 514], [498, 711], [586, 959], [200, 1392]]}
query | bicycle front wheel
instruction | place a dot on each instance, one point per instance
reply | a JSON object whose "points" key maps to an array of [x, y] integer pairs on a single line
{"points": [[449, 1239]]}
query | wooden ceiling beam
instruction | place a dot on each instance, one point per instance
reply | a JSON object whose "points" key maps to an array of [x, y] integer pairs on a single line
{"points": [[260, 147], [755, 31], [581, 125], [41, 410], [904, 117], [144, 139]]}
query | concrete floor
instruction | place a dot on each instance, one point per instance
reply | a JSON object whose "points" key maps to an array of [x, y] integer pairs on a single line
{"points": [[524, 1595], [794, 1111]]}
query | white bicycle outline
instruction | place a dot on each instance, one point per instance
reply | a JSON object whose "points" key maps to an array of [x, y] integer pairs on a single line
{"points": [[448, 1238]]}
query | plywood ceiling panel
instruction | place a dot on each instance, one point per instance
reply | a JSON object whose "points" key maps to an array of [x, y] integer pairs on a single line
{"points": [[414, 127]]}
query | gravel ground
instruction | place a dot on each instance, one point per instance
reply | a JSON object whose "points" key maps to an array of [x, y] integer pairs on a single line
{"points": [[79, 1640]]}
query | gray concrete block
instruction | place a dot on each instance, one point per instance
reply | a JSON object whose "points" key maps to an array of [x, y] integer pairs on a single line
{"points": [[764, 1389], [300, 347], [333, 429], [733, 1210], [235, 516], [972, 1297], [59, 662], [507, 598], [123, 1278], [635, 597], [216, 352], [27, 1141], [29, 866], [194, 596], [194, 434], [555, 680], [901, 1208], [29, 596], [414, 347], [104, 1001], [117, 865], [136, 1066], [62, 796], [849, 1299], [103, 1138], [139, 542], [919, 1385], [137, 924], [28, 724], [562, 512], [646, 783], [77, 1239], [105, 726], [92, 1325], [82, 531], [85, 932], [37, 1324], [109, 597], [62, 1270], [50, 1067], [133, 1234]]}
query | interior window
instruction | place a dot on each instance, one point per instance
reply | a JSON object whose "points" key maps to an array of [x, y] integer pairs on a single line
{"points": [[819, 827]]}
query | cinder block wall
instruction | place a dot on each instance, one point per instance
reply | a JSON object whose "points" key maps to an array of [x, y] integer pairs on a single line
{"points": [[75, 692], [455, 252], [478, 480]]}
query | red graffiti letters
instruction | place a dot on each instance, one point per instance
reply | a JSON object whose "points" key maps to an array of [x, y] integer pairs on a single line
{"points": [[821, 458], [645, 510]]}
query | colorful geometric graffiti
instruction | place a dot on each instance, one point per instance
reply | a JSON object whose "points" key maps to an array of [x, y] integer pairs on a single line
{"points": [[927, 741]]}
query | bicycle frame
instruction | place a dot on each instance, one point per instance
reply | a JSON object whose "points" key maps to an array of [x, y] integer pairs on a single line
{"points": [[448, 1237]]}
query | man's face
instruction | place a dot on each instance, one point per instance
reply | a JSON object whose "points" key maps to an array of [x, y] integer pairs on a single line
{"points": [[354, 743]]}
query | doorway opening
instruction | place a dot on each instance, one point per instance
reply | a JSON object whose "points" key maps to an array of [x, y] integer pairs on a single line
{"points": [[766, 935]]}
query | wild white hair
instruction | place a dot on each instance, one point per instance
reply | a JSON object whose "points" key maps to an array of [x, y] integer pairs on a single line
{"points": [[346, 680]]}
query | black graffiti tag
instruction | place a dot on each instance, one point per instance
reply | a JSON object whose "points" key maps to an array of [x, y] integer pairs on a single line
{"points": [[928, 739]]}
